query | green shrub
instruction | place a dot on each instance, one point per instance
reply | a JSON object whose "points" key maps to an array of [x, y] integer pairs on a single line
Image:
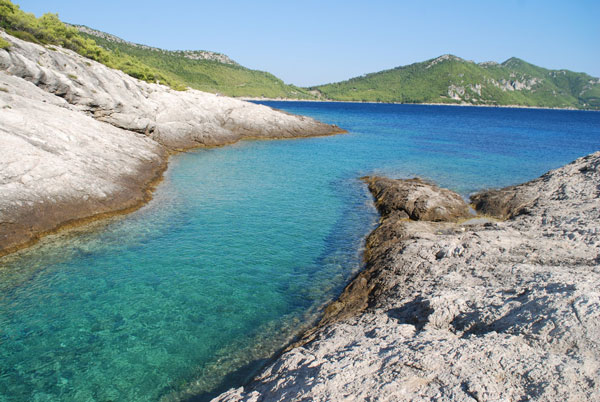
{"points": [[50, 30], [4, 44], [23, 35], [168, 68]]}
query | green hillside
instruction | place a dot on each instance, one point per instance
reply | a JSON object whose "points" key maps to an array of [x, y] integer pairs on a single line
{"points": [[207, 71], [446, 79], [450, 79], [203, 70], [49, 30]]}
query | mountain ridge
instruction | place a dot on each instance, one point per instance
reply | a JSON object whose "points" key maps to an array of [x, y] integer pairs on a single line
{"points": [[190, 54], [204, 70], [449, 79]]}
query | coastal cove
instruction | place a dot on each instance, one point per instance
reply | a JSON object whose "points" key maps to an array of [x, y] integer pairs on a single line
{"points": [[242, 246]]}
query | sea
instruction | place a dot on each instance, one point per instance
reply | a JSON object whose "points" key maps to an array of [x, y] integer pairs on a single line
{"points": [[241, 248]]}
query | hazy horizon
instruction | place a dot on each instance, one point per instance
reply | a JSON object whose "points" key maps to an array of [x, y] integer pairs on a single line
{"points": [[314, 43]]}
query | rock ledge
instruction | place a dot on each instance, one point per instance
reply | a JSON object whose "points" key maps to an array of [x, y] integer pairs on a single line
{"points": [[80, 141], [497, 310]]}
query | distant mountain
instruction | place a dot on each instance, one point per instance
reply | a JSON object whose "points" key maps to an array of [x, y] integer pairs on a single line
{"points": [[201, 69], [450, 79]]}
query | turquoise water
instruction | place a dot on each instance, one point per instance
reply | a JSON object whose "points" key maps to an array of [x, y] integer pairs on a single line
{"points": [[240, 248]]}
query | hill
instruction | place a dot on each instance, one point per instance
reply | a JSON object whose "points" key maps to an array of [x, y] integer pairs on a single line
{"points": [[450, 79], [203, 70], [200, 69], [446, 79]]}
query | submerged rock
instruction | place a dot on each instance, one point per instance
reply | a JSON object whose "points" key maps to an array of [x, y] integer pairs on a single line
{"points": [[505, 310], [79, 140]]}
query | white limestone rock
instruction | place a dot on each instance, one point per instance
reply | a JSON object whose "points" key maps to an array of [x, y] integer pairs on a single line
{"points": [[497, 311], [79, 140], [176, 119]]}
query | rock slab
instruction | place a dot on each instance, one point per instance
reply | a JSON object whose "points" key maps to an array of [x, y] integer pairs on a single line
{"points": [[79, 140], [498, 310]]}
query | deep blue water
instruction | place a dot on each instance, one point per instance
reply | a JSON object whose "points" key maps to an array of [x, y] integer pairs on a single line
{"points": [[241, 247]]}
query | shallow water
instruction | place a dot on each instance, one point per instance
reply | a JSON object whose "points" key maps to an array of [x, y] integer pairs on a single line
{"points": [[240, 248]]}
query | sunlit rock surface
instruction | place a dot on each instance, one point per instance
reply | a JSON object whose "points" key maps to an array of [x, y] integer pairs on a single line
{"points": [[496, 310], [78, 139]]}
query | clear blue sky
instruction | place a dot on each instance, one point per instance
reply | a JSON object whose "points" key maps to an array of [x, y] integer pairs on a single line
{"points": [[314, 42]]}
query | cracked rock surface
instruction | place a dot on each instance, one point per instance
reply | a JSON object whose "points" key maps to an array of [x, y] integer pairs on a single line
{"points": [[472, 310], [78, 139]]}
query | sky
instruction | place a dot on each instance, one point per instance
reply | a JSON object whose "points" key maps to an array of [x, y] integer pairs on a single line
{"points": [[316, 42]]}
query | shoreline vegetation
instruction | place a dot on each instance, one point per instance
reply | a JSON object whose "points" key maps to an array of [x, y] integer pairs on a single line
{"points": [[48, 30]]}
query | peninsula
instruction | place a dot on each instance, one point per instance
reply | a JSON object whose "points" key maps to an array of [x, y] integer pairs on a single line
{"points": [[81, 141]]}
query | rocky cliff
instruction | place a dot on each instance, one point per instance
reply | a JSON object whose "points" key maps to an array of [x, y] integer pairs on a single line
{"points": [[79, 140], [452, 307]]}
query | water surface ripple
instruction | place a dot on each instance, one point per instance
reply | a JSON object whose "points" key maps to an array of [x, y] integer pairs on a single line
{"points": [[240, 248]]}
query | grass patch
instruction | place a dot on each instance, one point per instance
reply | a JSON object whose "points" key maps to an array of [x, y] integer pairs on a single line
{"points": [[4, 44]]}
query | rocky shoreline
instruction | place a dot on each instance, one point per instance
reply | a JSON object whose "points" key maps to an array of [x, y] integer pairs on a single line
{"points": [[502, 306], [82, 142]]}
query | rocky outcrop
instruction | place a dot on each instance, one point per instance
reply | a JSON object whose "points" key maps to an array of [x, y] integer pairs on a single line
{"points": [[551, 188], [444, 57], [79, 140], [176, 119], [470, 310], [58, 165], [397, 201], [188, 54], [416, 200]]}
